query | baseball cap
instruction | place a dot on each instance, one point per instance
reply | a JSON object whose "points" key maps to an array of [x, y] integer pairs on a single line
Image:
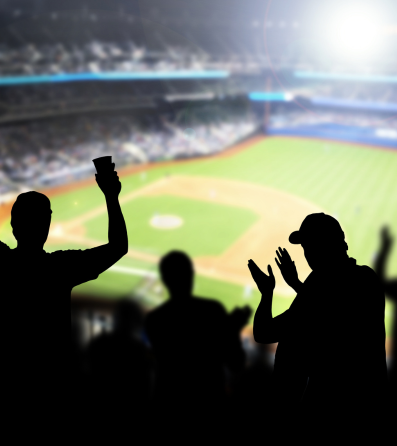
{"points": [[318, 226]]}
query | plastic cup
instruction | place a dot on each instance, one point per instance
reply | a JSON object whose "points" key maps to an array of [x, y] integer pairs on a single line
{"points": [[103, 164]]}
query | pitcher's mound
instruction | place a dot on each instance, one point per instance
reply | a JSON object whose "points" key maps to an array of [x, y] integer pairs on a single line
{"points": [[166, 222], [279, 214]]}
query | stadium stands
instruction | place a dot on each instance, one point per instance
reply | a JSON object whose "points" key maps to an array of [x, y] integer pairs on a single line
{"points": [[44, 153], [93, 57], [49, 134]]}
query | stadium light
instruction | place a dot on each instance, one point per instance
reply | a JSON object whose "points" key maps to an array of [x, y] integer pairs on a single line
{"points": [[356, 32]]}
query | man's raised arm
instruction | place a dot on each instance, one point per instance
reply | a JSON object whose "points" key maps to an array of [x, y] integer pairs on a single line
{"points": [[267, 330], [107, 255]]}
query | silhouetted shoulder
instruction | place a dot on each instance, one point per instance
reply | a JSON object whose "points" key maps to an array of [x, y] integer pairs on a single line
{"points": [[204, 304], [4, 249], [162, 308], [77, 265], [365, 269], [210, 304], [155, 317], [370, 292], [369, 275]]}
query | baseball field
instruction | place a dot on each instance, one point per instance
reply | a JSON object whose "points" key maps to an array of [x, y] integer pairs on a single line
{"points": [[226, 209]]}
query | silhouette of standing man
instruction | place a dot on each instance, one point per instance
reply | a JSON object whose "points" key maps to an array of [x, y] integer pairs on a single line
{"points": [[35, 290], [193, 339], [325, 338]]}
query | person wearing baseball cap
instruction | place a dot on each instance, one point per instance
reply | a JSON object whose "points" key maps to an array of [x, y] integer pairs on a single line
{"points": [[330, 363]]}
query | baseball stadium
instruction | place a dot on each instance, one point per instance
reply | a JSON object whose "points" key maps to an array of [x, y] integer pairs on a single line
{"points": [[224, 137], [225, 209]]}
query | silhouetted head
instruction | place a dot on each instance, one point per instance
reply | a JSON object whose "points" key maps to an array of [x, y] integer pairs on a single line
{"points": [[31, 219], [128, 317], [322, 239], [177, 273]]}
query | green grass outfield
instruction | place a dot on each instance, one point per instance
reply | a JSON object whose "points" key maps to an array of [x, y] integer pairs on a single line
{"points": [[356, 184]]}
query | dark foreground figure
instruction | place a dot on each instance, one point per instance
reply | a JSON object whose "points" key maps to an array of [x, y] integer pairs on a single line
{"points": [[390, 287], [35, 290], [330, 368], [120, 371], [193, 341]]}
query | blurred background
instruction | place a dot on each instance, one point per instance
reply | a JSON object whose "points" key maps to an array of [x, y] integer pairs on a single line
{"points": [[228, 122]]}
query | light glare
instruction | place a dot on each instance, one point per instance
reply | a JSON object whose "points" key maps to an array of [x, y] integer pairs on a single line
{"points": [[356, 33]]}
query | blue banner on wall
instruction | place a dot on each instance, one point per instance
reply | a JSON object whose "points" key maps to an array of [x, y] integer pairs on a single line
{"points": [[269, 96], [112, 76]]}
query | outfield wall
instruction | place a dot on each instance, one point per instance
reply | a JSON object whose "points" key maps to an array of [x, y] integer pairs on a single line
{"points": [[363, 135]]}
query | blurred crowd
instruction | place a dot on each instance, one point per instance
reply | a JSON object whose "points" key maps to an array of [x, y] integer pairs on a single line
{"points": [[97, 55], [118, 378], [53, 152], [93, 57], [348, 118], [382, 93]]}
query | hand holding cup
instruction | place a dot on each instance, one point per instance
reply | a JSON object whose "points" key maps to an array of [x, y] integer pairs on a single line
{"points": [[106, 177]]}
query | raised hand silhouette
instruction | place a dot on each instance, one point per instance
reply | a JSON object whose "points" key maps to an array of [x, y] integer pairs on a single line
{"points": [[264, 283], [390, 287], [387, 239], [288, 269], [109, 183]]}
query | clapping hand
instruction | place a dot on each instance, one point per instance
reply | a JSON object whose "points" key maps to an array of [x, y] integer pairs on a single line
{"points": [[265, 283], [287, 268]]}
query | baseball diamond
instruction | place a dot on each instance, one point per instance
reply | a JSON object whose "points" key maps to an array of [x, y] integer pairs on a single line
{"points": [[228, 208]]}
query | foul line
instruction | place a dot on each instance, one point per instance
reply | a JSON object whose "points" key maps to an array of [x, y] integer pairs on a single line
{"points": [[133, 271], [102, 209]]}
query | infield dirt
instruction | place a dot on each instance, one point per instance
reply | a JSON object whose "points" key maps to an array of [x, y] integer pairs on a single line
{"points": [[278, 213]]}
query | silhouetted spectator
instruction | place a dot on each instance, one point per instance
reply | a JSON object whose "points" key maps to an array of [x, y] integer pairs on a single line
{"points": [[193, 340], [121, 367], [251, 393], [35, 289], [78, 377], [334, 323]]}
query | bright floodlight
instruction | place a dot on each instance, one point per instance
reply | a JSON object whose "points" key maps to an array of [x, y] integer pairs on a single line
{"points": [[356, 32]]}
